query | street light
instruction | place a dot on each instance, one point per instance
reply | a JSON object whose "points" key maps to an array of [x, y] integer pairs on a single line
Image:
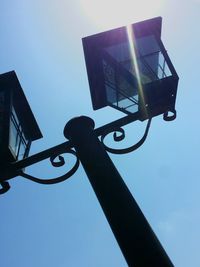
{"points": [[128, 69]]}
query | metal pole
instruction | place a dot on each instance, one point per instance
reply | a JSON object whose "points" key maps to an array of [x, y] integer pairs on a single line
{"points": [[137, 241]]}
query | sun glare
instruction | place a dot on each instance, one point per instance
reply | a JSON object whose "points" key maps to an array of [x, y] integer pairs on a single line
{"points": [[108, 14]]}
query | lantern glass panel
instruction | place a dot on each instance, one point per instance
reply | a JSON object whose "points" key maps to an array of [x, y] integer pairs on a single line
{"points": [[128, 66], [18, 143], [120, 92]]}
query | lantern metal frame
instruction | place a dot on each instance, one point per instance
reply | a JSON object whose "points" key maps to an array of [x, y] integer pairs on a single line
{"points": [[156, 97], [17, 116]]}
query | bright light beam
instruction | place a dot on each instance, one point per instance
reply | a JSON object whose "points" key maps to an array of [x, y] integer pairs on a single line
{"points": [[131, 40]]}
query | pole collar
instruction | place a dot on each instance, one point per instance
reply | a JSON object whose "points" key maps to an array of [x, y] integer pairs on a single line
{"points": [[77, 124]]}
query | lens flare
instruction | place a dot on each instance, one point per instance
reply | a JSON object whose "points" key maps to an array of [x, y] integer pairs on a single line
{"points": [[135, 67]]}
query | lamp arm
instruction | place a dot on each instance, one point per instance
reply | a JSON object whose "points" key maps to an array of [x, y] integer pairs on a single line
{"points": [[14, 169], [59, 163]]}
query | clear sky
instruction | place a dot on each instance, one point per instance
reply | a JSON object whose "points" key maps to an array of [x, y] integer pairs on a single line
{"points": [[63, 225]]}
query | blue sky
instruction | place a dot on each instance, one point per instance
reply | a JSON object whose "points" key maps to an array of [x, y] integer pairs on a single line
{"points": [[63, 225]]}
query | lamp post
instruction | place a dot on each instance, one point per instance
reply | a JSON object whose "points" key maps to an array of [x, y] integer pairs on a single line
{"points": [[135, 237], [128, 69]]}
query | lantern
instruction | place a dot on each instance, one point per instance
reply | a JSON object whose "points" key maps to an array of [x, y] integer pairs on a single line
{"points": [[18, 127], [129, 69]]}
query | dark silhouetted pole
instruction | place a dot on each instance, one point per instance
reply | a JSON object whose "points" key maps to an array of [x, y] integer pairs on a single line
{"points": [[138, 243]]}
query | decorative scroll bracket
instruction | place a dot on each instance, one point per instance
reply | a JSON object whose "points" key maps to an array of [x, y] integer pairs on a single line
{"points": [[55, 154], [118, 138]]}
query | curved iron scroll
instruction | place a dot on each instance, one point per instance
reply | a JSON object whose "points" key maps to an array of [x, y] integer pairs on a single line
{"points": [[60, 162], [170, 117], [4, 187], [118, 138]]}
